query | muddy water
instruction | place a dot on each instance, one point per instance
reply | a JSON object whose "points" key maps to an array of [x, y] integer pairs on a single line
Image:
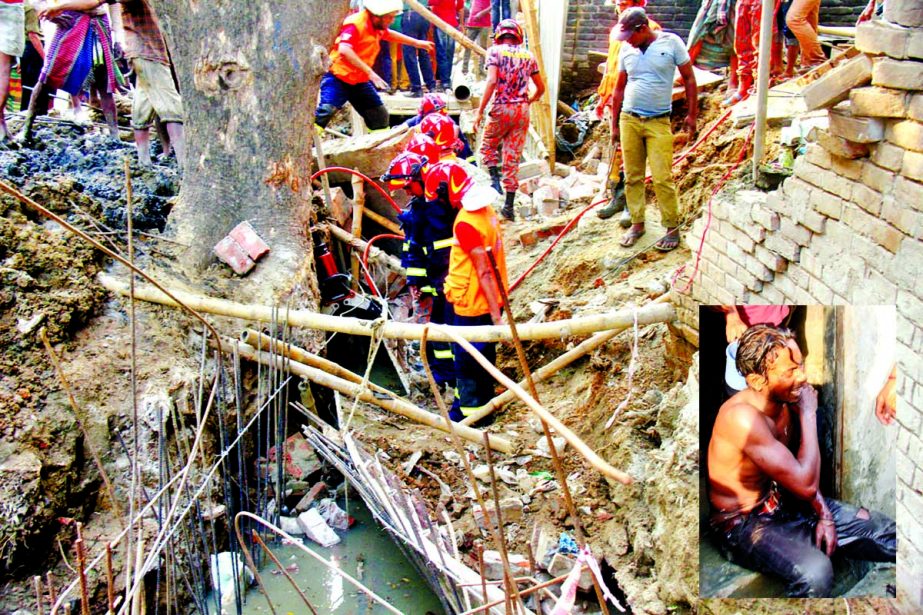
{"points": [[385, 571]]}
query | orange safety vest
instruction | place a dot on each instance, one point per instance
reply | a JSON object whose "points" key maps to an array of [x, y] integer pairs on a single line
{"points": [[607, 86], [365, 44], [462, 286]]}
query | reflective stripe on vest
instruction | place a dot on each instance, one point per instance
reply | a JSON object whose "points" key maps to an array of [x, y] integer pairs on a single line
{"points": [[443, 354], [417, 272], [444, 243]]}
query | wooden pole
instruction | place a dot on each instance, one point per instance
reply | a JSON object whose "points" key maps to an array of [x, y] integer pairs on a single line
{"points": [[262, 341], [563, 430], [397, 406], [762, 85], [375, 254], [460, 38], [543, 111], [397, 330], [358, 209]]}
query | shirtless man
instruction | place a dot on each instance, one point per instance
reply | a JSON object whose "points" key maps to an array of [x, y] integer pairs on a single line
{"points": [[764, 470]]}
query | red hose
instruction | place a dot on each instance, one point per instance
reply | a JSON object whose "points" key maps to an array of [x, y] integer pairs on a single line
{"points": [[563, 232], [365, 178], [365, 259]]}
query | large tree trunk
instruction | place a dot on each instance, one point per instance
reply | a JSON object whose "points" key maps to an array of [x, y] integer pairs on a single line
{"points": [[249, 75]]}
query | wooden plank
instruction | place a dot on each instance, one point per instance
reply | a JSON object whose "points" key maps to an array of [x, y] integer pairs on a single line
{"points": [[401, 104]]}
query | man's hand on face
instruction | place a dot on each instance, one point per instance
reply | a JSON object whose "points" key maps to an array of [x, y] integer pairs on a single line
{"points": [[825, 536], [807, 399]]}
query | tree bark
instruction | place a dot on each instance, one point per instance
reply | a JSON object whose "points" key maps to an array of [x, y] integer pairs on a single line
{"points": [[249, 76]]}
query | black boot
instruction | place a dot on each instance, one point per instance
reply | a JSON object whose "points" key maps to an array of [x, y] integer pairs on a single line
{"points": [[494, 178], [507, 210], [617, 201]]}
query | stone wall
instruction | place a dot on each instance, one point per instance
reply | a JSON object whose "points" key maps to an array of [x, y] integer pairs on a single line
{"points": [[847, 228], [589, 23]]}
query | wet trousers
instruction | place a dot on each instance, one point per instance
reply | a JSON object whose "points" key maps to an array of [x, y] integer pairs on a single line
{"points": [[507, 126], [649, 141], [782, 544]]}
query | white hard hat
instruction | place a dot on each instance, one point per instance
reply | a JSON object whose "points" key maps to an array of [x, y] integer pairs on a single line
{"points": [[478, 197], [383, 7]]}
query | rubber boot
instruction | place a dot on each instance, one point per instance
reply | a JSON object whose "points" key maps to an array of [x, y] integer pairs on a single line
{"points": [[494, 178], [617, 201], [507, 210]]}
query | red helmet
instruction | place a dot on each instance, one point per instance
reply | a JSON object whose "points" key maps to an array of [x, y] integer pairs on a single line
{"points": [[441, 128], [509, 27], [423, 145], [432, 103], [448, 180], [405, 168]]}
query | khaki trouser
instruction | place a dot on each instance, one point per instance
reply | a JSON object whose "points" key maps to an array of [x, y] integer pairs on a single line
{"points": [[154, 93], [649, 141], [802, 21]]}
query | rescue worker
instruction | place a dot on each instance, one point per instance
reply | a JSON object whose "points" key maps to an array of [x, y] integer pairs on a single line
{"points": [[445, 132], [471, 288], [427, 225], [351, 78], [435, 105], [510, 67]]}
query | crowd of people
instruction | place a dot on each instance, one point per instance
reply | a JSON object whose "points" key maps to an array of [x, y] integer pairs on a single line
{"points": [[93, 47]]}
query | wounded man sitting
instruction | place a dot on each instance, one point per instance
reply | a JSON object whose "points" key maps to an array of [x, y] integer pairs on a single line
{"points": [[764, 468]]}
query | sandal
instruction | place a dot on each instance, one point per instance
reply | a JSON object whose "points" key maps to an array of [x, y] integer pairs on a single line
{"points": [[631, 236], [668, 242]]}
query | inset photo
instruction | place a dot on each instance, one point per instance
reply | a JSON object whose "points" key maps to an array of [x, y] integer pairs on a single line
{"points": [[797, 485]]}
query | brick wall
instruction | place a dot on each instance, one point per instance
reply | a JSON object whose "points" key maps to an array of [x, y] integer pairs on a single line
{"points": [[589, 23], [847, 228]]}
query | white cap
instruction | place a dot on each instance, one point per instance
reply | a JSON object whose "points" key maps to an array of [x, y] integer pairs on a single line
{"points": [[383, 7], [478, 197]]}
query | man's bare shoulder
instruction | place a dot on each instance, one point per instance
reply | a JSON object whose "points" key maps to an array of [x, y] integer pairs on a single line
{"points": [[738, 413]]}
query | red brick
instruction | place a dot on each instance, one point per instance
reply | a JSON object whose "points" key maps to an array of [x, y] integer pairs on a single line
{"points": [[252, 244], [232, 254], [879, 36], [528, 238]]}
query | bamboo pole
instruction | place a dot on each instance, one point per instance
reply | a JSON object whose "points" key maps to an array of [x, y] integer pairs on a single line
{"points": [[389, 224], [762, 86], [543, 113], [563, 430], [431, 17], [549, 369], [398, 330], [262, 341], [358, 209], [375, 254], [397, 406]]}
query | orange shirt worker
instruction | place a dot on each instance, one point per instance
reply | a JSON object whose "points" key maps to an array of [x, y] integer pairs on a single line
{"points": [[351, 78]]}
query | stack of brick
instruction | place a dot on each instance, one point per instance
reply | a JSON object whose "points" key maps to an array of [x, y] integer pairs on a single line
{"points": [[846, 228]]}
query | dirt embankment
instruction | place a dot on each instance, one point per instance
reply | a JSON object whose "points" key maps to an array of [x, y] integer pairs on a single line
{"points": [[47, 283]]}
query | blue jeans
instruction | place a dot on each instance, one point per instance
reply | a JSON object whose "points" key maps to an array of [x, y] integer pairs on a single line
{"points": [[382, 64], [499, 10], [445, 53], [417, 61], [334, 93]]}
